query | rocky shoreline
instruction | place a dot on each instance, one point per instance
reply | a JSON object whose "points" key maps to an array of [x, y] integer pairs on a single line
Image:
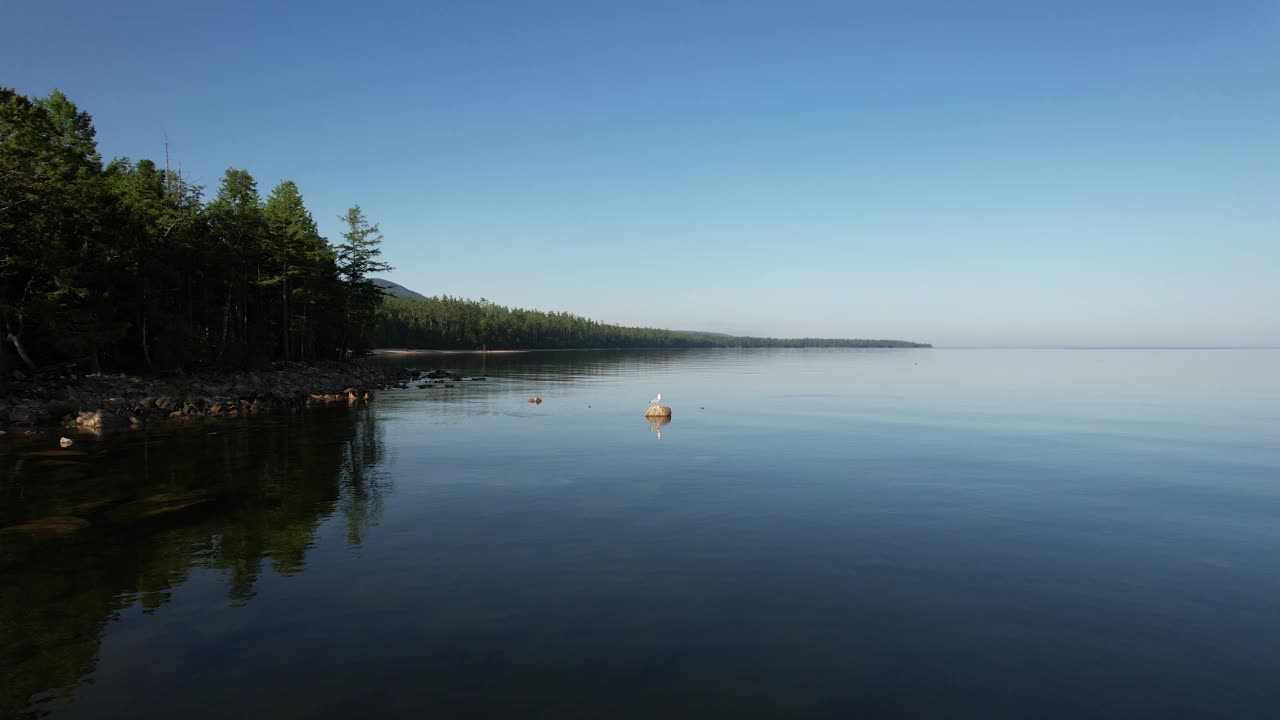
{"points": [[98, 401]]}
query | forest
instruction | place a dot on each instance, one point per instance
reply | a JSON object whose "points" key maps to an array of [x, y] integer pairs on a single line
{"points": [[125, 265], [446, 322]]}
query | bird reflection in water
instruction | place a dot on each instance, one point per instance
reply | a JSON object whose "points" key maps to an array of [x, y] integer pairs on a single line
{"points": [[656, 423]]}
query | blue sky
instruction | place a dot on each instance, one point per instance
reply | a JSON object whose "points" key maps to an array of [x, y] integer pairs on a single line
{"points": [[1015, 173]]}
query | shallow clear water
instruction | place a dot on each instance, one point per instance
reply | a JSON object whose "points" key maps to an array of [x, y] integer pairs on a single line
{"points": [[906, 533]]}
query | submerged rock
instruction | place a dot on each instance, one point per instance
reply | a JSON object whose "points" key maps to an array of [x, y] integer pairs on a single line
{"points": [[57, 525], [159, 504]]}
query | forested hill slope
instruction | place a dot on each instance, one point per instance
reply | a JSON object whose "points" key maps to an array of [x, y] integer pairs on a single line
{"points": [[457, 324], [396, 289]]}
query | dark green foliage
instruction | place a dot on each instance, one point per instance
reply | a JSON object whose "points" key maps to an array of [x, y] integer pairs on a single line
{"points": [[124, 265], [305, 274], [445, 322], [54, 222]]}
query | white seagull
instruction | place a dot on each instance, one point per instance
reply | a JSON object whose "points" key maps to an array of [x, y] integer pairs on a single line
{"points": [[656, 400]]}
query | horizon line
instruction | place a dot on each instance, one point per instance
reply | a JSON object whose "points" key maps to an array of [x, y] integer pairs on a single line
{"points": [[1107, 347]]}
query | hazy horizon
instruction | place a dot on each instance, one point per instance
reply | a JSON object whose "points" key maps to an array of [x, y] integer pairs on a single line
{"points": [[991, 175]]}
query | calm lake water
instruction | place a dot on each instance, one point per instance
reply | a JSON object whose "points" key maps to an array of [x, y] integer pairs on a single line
{"points": [[817, 533]]}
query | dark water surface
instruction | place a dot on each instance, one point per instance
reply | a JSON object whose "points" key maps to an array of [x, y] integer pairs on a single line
{"points": [[818, 533]]}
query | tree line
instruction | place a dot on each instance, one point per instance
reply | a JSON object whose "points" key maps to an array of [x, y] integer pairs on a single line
{"points": [[125, 265], [454, 323]]}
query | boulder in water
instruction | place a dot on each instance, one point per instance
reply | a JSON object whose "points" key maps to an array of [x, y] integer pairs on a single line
{"points": [[658, 411], [99, 419]]}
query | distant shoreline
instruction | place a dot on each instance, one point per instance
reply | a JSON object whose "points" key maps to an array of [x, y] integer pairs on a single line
{"points": [[411, 351], [428, 351]]}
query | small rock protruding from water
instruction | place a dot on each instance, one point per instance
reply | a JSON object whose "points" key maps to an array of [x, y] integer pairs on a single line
{"points": [[658, 411], [535, 400], [66, 442]]}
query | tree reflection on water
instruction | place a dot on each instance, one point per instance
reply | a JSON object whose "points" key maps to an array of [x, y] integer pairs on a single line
{"points": [[84, 537]]}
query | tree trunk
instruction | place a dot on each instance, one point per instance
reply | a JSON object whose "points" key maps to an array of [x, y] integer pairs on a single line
{"points": [[284, 299], [302, 336], [226, 320], [146, 353], [342, 347], [243, 309], [306, 333], [17, 345]]}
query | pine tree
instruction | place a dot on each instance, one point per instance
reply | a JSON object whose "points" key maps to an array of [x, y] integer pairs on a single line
{"points": [[291, 232], [238, 229], [357, 259]]}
